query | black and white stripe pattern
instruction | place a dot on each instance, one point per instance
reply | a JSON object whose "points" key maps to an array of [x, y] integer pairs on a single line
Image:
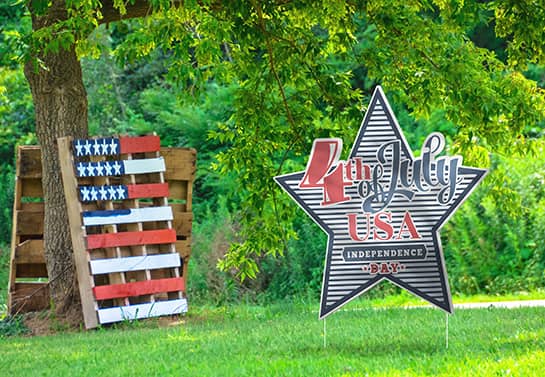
{"points": [[345, 280]]}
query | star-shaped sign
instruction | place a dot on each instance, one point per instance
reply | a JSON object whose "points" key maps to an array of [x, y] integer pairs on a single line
{"points": [[382, 209]]}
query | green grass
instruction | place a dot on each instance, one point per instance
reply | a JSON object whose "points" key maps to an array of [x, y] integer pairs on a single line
{"points": [[288, 340]]}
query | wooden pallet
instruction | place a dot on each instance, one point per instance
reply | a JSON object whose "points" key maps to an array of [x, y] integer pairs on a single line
{"points": [[28, 289]]}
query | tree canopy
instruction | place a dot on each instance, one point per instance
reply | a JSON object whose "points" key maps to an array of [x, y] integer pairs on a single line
{"points": [[303, 69]]}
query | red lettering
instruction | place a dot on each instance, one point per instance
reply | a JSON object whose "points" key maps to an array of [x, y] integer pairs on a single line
{"points": [[407, 226], [353, 227], [394, 266], [373, 268], [384, 269], [324, 155], [384, 226], [334, 187]]}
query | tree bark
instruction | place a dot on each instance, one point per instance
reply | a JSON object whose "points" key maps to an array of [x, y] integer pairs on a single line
{"points": [[60, 102]]}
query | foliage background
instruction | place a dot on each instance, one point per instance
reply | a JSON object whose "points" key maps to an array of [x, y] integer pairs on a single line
{"points": [[238, 91]]}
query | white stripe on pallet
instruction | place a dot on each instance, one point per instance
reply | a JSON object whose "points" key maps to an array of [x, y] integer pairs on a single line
{"points": [[147, 262], [144, 166], [139, 311], [134, 215]]}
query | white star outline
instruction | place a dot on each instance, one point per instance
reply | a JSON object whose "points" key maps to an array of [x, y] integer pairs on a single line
{"points": [[84, 193], [104, 146], [96, 147], [94, 193], [113, 145], [81, 169], [117, 167], [87, 146], [79, 148], [90, 169], [121, 192], [103, 193], [111, 192], [108, 168]]}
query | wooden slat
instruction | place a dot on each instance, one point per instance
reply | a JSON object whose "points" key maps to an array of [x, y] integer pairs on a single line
{"points": [[147, 237], [127, 216], [140, 263], [178, 190], [139, 144], [144, 166], [180, 162], [139, 311], [31, 270], [30, 251], [31, 187], [28, 297], [182, 223], [183, 248], [28, 222], [151, 190], [81, 256], [139, 288], [29, 162]]}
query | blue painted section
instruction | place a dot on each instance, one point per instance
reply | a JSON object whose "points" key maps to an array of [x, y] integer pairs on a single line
{"points": [[106, 192], [100, 169], [108, 146], [111, 213]]}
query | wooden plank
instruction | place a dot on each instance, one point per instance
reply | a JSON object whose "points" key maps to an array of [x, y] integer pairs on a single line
{"points": [[127, 216], [146, 237], [182, 224], [32, 187], [122, 192], [29, 162], [95, 147], [15, 240], [37, 207], [139, 288], [139, 263], [120, 167], [29, 297], [183, 248], [30, 251], [31, 270], [181, 163], [151, 190], [178, 189], [139, 144], [144, 166], [139, 311], [29, 223], [81, 257]]}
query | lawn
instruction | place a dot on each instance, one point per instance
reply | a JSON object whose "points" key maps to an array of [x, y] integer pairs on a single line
{"points": [[289, 340]]}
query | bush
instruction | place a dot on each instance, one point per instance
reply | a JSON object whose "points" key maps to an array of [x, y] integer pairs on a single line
{"points": [[497, 247]]}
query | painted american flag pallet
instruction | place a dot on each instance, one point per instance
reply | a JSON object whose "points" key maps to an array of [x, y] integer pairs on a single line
{"points": [[122, 229], [28, 289]]}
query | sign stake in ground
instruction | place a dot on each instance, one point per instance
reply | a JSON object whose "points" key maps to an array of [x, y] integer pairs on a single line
{"points": [[382, 209]]}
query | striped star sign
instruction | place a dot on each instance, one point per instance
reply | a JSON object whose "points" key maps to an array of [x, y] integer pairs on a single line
{"points": [[121, 228]]}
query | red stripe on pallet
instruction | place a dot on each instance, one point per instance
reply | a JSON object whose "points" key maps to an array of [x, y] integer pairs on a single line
{"points": [[151, 190], [139, 288], [139, 144], [145, 237]]}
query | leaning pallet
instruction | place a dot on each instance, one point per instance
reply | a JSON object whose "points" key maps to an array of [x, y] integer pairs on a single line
{"points": [[121, 229], [28, 288]]}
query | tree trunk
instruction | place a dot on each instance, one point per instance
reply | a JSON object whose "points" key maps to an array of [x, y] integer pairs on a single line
{"points": [[60, 104]]}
